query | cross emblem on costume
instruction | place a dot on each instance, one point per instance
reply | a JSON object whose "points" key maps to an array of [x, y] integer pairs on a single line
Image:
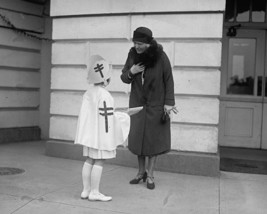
{"points": [[106, 113], [99, 68]]}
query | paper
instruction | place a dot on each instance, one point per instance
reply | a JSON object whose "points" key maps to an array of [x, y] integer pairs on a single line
{"points": [[135, 110], [130, 111]]}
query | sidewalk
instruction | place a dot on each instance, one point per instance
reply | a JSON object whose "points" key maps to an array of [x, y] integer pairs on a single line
{"points": [[53, 185]]}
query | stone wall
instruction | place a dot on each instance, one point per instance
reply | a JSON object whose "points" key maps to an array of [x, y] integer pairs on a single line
{"points": [[20, 65], [190, 32]]}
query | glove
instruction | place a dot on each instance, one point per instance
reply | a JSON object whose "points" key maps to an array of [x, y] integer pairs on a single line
{"points": [[135, 69], [168, 109]]}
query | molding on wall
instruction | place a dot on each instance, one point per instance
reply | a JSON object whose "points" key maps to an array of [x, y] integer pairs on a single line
{"points": [[137, 13]]}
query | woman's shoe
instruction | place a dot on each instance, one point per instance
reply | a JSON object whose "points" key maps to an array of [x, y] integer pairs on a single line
{"points": [[139, 178], [150, 185]]}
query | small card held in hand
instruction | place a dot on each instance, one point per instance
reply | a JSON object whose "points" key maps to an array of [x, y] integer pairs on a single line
{"points": [[132, 111]]}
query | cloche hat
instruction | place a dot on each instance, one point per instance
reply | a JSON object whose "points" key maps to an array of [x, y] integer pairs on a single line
{"points": [[142, 34]]}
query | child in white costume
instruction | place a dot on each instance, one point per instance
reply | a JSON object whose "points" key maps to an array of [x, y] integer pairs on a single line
{"points": [[100, 130]]}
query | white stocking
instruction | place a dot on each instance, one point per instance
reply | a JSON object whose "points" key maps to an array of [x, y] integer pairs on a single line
{"points": [[96, 177], [86, 175]]}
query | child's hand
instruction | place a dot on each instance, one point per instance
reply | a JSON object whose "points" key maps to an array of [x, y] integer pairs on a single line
{"points": [[130, 111]]}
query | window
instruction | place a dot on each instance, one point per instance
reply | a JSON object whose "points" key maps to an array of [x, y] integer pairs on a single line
{"points": [[246, 11], [241, 66]]}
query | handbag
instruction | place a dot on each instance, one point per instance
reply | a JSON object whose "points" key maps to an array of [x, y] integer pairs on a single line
{"points": [[165, 117]]}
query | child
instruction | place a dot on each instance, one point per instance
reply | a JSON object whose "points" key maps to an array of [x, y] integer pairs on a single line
{"points": [[100, 130]]}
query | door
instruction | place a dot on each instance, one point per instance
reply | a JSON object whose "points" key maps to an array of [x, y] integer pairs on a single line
{"points": [[243, 101]]}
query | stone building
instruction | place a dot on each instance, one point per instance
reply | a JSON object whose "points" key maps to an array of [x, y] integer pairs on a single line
{"points": [[217, 52]]}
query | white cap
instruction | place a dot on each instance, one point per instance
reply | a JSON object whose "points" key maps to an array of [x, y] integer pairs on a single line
{"points": [[98, 70]]}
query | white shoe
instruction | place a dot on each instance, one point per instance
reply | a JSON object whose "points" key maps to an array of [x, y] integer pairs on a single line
{"points": [[99, 197], [84, 195]]}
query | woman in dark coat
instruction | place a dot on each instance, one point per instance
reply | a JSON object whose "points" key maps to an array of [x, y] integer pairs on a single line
{"points": [[149, 72]]}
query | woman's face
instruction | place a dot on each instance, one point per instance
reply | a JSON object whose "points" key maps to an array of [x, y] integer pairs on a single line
{"points": [[140, 47]]}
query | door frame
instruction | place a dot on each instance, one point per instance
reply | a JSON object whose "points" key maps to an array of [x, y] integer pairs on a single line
{"points": [[264, 110], [251, 104]]}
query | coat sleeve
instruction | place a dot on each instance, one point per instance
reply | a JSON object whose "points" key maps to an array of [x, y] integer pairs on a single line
{"points": [[126, 75], [168, 81]]}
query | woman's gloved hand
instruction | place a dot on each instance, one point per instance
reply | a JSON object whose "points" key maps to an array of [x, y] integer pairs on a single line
{"points": [[138, 68], [168, 109]]}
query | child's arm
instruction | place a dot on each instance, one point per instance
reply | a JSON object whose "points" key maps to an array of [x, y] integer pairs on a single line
{"points": [[130, 111]]}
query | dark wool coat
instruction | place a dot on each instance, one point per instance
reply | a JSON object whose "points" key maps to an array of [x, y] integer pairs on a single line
{"points": [[148, 135]]}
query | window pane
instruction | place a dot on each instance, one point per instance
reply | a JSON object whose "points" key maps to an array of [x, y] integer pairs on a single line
{"points": [[243, 10], [241, 66], [230, 11], [258, 10]]}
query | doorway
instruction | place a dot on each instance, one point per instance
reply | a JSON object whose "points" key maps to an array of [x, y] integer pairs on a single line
{"points": [[243, 100], [243, 106]]}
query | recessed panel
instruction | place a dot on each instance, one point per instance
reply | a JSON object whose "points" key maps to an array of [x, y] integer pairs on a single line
{"points": [[239, 122]]}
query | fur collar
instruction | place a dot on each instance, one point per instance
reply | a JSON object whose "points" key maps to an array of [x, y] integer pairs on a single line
{"points": [[149, 57]]}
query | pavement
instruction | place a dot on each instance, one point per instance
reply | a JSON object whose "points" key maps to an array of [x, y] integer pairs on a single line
{"points": [[53, 185]]}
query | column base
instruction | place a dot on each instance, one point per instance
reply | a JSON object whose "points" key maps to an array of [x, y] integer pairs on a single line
{"points": [[19, 134], [175, 161]]}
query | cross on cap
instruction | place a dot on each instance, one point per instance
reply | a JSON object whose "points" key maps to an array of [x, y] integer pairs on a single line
{"points": [[98, 69]]}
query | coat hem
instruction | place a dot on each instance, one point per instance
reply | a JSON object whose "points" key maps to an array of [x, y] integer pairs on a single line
{"points": [[151, 155]]}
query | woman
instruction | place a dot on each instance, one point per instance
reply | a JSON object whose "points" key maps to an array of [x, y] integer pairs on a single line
{"points": [[149, 72]]}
